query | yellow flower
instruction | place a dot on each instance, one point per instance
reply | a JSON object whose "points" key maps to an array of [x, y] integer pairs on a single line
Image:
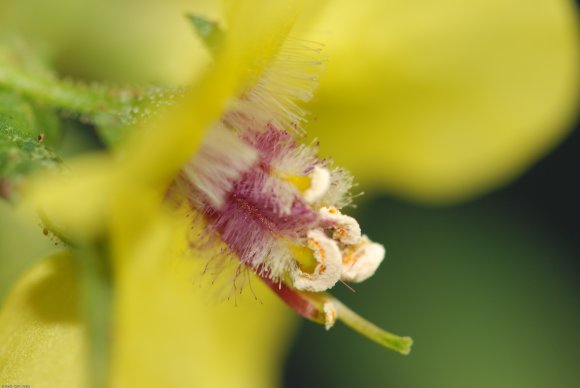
{"points": [[163, 333], [128, 249]]}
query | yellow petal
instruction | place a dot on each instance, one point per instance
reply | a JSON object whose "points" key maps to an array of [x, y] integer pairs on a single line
{"points": [[439, 100], [256, 29], [170, 329], [164, 333], [19, 233], [43, 343], [75, 203], [122, 40]]}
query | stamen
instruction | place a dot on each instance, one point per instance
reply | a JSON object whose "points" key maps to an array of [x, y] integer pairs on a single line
{"points": [[302, 183], [303, 257], [361, 262], [328, 269], [329, 315], [319, 184], [221, 160], [345, 228]]}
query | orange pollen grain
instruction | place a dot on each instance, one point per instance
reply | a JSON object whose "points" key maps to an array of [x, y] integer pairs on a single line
{"points": [[322, 253], [349, 258]]}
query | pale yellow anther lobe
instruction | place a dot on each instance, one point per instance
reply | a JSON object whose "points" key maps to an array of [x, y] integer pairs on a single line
{"points": [[329, 264], [361, 261], [345, 228], [319, 184]]}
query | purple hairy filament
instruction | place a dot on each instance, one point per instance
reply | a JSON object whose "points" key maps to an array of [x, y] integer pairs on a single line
{"points": [[275, 204], [250, 225], [259, 213]]}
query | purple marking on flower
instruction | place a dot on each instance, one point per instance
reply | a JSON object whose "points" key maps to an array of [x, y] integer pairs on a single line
{"points": [[258, 205], [271, 144], [251, 221], [279, 150]]}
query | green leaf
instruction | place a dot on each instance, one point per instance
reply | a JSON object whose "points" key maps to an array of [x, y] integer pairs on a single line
{"points": [[28, 118], [25, 129], [112, 109]]}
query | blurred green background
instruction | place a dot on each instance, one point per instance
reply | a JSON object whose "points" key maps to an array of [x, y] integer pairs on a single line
{"points": [[489, 291]]}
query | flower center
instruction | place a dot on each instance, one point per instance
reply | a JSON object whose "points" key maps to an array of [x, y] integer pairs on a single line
{"points": [[275, 215], [269, 197]]}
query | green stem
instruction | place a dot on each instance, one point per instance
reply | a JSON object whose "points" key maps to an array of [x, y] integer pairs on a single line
{"points": [[112, 109], [67, 95]]}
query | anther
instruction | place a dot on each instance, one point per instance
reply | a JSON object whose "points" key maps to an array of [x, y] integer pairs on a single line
{"points": [[361, 262], [319, 184], [328, 268], [345, 228], [329, 315]]}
